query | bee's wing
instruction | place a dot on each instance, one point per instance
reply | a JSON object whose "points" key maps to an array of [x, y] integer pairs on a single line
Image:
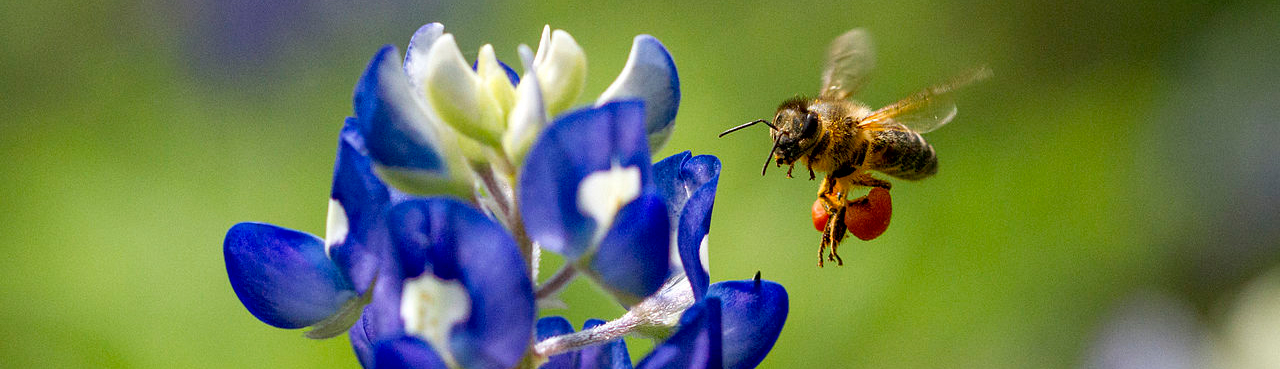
{"points": [[849, 59], [926, 110]]}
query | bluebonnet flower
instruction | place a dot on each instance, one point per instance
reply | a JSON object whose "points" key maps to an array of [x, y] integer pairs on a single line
{"points": [[450, 180]]}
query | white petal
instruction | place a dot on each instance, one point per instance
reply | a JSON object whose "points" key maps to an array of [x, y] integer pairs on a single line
{"points": [[415, 56], [649, 75], [526, 57], [527, 119], [458, 96], [544, 43], [494, 78], [562, 71]]}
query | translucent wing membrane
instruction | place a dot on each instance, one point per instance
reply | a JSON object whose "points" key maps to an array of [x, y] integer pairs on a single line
{"points": [[926, 110], [849, 59]]}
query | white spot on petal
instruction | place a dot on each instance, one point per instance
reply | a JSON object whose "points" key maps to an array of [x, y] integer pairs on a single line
{"points": [[703, 254], [335, 230], [677, 262], [601, 194], [431, 307]]}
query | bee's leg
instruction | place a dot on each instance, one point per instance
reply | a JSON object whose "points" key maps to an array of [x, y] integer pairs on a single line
{"points": [[869, 181], [832, 233], [829, 191], [837, 229], [822, 249], [789, 168], [832, 193], [825, 187]]}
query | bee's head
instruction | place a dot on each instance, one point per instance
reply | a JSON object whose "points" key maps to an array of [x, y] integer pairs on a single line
{"points": [[796, 130]]}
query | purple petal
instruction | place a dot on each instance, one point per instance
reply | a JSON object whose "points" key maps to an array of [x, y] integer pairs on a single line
{"points": [[695, 345], [678, 176], [753, 315], [406, 352], [399, 133], [611, 355], [695, 222], [456, 242], [634, 258], [282, 276], [670, 183], [361, 343], [575, 145], [689, 185], [366, 251], [362, 199]]}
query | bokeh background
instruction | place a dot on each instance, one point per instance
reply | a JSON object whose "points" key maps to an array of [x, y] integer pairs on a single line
{"points": [[1109, 199]]}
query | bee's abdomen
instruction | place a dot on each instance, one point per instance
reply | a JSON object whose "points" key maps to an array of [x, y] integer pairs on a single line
{"points": [[902, 154]]}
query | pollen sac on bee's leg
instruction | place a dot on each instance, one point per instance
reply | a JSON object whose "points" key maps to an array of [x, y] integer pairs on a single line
{"points": [[820, 215], [868, 216]]}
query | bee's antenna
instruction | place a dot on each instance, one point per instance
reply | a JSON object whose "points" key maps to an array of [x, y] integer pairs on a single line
{"points": [[731, 130], [769, 158]]}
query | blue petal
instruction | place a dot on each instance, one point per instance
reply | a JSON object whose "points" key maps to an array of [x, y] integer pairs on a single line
{"points": [[649, 75], [363, 199], [382, 316], [611, 355], [574, 146], [554, 326], [678, 176], [753, 315], [361, 343], [399, 133], [667, 178], [406, 352], [454, 241], [695, 345], [695, 222], [634, 258], [689, 185], [367, 252], [282, 276]]}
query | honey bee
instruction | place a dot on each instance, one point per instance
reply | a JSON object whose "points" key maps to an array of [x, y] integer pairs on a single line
{"points": [[848, 141]]}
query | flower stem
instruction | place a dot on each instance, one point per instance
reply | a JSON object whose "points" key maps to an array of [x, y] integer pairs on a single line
{"points": [[557, 282], [603, 333], [654, 317], [507, 211]]}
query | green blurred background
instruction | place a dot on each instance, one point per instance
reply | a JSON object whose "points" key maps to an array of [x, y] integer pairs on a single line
{"points": [[1109, 197]]}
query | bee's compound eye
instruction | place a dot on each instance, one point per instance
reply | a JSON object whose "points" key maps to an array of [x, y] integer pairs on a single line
{"points": [[810, 125]]}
